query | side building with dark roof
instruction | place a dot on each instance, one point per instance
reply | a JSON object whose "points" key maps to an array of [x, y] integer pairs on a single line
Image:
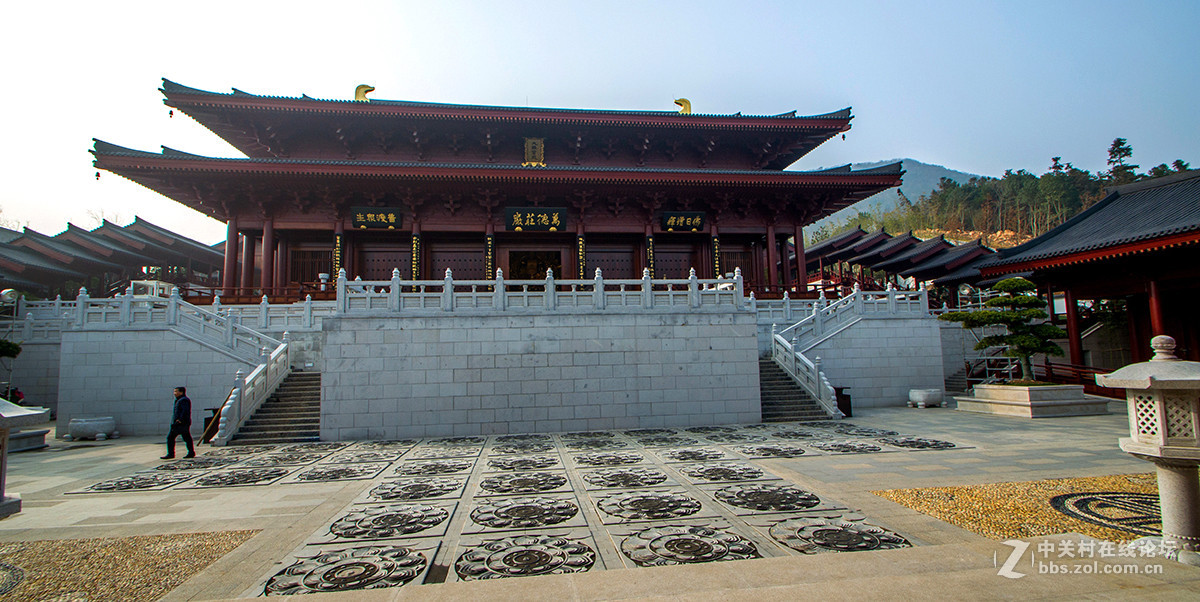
{"points": [[1139, 245]]}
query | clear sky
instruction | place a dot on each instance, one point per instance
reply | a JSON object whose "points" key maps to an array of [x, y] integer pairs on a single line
{"points": [[975, 86]]}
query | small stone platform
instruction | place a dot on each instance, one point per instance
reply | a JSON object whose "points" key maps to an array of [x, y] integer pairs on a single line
{"points": [[1040, 401]]}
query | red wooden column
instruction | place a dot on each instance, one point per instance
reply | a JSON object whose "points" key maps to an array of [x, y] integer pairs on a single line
{"points": [[247, 280], [772, 258], [229, 272], [268, 255], [281, 263], [801, 261], [783, 264], [1156, 312], [1074, 343]]}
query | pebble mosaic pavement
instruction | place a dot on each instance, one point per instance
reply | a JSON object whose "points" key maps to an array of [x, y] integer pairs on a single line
{"points": [[471, 508]]}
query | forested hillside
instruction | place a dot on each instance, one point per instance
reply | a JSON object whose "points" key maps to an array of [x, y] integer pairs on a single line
{"points": [[1020, 202]]}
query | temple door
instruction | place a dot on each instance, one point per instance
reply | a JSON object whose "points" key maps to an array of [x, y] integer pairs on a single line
{"points": [[377, 264], [674, 261], [616, 262], [465, 262]]}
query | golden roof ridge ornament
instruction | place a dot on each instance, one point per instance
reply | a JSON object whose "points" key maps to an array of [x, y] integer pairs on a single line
{"points": [[685, 106], [360, 93]]}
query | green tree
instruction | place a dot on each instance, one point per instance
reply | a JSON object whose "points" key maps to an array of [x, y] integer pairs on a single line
{"points": [[1018, 310], [1120, 171]]}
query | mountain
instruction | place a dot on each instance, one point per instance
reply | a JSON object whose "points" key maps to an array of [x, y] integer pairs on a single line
{"points": [[919, 179]]}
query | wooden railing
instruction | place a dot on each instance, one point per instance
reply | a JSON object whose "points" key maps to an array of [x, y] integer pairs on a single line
{"points": [[1071, 374]]}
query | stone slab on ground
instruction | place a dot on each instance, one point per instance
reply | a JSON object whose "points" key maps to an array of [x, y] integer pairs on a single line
{"points": [[949, 562]]}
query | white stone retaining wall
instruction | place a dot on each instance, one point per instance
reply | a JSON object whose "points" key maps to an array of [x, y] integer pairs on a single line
{"points": [[35, 373], [881, 359], [394, 377], [956, 347], [129, 375]]}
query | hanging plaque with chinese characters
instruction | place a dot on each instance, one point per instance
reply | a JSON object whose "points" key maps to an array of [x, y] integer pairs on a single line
{"points": [[683, 221], [366, 218], [541, 219]]}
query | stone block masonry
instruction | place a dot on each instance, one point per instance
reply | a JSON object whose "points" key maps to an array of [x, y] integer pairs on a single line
{"points": [[879, 360], [35, 372], [390, 376], [129, 375]]}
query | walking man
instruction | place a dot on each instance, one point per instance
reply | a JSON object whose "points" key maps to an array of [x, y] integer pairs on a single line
{"points": [[181, 424]]}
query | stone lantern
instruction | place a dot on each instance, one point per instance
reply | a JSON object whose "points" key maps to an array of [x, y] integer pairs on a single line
{"points": [[13, 416], [1163, 397]]}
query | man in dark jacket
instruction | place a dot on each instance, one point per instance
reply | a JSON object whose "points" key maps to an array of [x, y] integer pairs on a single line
{"points": [[181, 424]]}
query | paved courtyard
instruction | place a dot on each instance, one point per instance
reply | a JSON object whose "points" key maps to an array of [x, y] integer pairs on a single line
{"points": [[586, 515]]}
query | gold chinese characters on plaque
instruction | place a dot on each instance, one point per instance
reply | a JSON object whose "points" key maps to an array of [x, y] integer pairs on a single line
{"points": [[543, 219], [683, 221], [535, 152], [366, 218]]}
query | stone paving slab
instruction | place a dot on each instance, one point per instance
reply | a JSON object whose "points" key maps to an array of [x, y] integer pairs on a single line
{"points": [[299, 517]]}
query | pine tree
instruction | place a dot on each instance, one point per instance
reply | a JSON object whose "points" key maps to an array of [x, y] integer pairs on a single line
{"points": [[1018, 309]]}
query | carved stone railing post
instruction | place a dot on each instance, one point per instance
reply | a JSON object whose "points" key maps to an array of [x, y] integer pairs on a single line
{"points": [[127, 307], [647, 289], [787, 306], [739, 290], [693, 289], [216, 304], [27, 327], [499, 295], [858, 300], [753, 302], [818, 317], [229, 319], [173, 307], [81, 307], [599, 300], [448, 292], [308, 311], [394, 292], [550, 290], [264, 313], [287, 337], [891, 300], [343, 301]]}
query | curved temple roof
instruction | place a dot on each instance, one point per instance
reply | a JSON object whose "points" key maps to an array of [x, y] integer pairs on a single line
{"points": [[174, 90]]}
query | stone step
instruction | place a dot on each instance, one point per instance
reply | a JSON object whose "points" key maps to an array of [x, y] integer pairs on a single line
{"points": [[313, 414], [782, 399], [316, 403], [276, 432], [284, 421], [260, 440], [291, 414], [292, 403]]}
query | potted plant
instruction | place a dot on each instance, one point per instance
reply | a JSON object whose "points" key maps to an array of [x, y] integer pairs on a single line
{"points": [[1019, 310]]}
